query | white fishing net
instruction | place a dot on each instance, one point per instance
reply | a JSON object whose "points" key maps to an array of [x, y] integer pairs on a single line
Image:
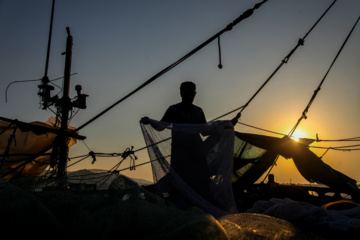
{"points": [[192, 164]]}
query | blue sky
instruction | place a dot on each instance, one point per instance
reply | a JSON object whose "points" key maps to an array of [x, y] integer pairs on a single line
{"points": [[118, 45]]}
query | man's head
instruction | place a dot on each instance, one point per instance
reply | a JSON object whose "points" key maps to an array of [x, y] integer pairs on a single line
{"points": [[187, 92]]}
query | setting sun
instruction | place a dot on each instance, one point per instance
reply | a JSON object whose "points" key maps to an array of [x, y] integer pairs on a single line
{"points": [[298, 134]]}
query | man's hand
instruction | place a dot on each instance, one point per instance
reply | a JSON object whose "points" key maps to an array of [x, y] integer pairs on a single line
{"points": [[145, 120]]}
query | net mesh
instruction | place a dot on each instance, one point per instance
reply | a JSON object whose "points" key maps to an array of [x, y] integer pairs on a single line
{"points": [[125, 210], [192, 164], [99, 204]]}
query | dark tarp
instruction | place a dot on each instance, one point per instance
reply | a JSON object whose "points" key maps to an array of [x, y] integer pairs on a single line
{"points": [[310, 166]]}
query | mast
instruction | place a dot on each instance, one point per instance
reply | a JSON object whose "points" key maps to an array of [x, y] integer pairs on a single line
{"points": [[63, 105], [64, 108]]}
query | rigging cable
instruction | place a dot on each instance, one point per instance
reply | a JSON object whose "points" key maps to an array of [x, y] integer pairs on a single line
{"points": [[322, 81], [352, 139], [285, 60], [246, 14], [229, 27], [315, 93]]}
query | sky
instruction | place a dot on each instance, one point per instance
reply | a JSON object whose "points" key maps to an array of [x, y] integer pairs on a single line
{"points": [[118, 45]]}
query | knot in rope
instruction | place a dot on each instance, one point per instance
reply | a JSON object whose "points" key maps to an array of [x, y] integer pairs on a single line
{"points": [[301, 42], [92, 154], [129, 152]]}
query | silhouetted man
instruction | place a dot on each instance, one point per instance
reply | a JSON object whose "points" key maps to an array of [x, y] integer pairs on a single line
{"points": [[187, 158], [185, 111]]}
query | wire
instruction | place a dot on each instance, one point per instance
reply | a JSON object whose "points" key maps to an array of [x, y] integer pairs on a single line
{"points": [[216, 36], [340, 148], [303, 116], [262, 129], [85, 157], [286, 59], [33, 80], [355, 139], [19, 81], [229, 27]]}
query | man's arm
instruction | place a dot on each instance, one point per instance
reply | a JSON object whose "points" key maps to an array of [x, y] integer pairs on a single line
{"points": [[146, 121], [166, 118]]}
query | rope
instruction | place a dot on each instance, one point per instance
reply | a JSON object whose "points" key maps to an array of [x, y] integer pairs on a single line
{"points": [[340, 140], [355, 139], [219, 46], [316, 91], [132, 164], [286, 59], [229, 27], [322, 81], [300, 42], [340, 148], [262, 129], [83, 158], [228, 113]]}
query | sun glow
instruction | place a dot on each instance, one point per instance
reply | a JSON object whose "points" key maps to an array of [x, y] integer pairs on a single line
{"points": [[298, 134]]}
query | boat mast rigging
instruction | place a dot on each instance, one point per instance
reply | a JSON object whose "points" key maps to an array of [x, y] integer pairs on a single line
{"points": [[285, 60], [303, 115], [64, 105], [229, 27]]}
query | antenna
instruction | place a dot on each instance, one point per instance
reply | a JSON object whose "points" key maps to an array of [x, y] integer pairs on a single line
{"points": [[49, 40], [44, 88]]}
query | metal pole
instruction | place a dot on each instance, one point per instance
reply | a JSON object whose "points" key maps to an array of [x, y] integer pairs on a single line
{"points": [[65, 108]]}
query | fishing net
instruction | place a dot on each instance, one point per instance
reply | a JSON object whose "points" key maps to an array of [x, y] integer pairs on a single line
{"points": [[190, 203], [127, 211], [192, 164]]}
